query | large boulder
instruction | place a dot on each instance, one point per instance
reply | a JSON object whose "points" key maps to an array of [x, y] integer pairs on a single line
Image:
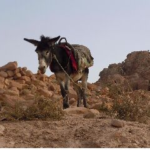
{"points": [[9, 66], [3, 74], [134, 72]]}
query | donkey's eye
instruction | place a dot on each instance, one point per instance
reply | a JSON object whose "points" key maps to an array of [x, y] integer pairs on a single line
{"points": [[47, 52]]}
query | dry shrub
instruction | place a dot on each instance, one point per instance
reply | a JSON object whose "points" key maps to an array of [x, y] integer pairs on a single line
{"points": [[42, 108], [130, 109], [104, 108], [131, 106]]}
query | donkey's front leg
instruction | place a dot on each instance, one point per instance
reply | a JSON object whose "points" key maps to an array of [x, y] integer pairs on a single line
{"points": [[84, 86], [84, 97], [64, 94]]}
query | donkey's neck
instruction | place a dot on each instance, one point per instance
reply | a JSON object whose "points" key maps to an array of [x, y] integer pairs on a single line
{"points": [[60, 59]]}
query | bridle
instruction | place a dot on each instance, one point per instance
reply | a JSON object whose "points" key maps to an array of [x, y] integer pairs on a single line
{"points": [[53, 56]]}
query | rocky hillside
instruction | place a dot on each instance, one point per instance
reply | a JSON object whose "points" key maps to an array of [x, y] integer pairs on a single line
{"points": [[21, 85], [118, 113], [133, 72]]}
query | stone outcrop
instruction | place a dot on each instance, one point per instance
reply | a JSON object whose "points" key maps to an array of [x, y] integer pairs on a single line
{"points": [[20, 84], [134, 72]]}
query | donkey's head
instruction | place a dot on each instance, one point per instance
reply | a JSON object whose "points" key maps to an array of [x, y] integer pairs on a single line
{"points": [[44, 49]]}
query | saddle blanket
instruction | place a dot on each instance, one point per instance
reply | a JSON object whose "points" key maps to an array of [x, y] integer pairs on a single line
{"points": [[71, 56]]}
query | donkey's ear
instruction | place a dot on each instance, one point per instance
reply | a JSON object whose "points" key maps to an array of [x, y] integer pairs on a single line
{"points": [[54, 40], [32, 41]]}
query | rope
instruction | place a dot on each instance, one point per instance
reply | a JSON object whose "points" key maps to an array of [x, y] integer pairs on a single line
{"points": [[54, 56]]}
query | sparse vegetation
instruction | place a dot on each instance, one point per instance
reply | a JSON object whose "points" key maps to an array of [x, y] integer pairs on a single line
{"points": [[131, 106], [126, 108], [42, 108]]}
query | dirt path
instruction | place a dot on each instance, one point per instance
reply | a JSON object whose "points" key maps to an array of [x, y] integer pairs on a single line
{"points": [[74, 131]]}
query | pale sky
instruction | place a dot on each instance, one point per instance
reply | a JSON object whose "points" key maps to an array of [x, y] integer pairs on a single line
{"points": [[109, 28]]}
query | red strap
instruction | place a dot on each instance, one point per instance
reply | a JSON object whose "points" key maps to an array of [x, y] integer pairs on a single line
{"points": [[72, 58]]}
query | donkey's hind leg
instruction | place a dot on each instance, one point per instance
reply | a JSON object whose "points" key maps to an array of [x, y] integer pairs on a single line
{"points": [[64, 93], [79, 93], [84, 86]]}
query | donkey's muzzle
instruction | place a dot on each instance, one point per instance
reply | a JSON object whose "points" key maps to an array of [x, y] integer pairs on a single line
{"points": [[42, 69]]}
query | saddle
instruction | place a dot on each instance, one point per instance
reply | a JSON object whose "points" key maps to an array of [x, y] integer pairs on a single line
{"points": [[80, 55]]}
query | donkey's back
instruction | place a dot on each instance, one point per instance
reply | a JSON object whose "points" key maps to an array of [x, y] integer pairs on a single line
{"points": [[83, 57]]}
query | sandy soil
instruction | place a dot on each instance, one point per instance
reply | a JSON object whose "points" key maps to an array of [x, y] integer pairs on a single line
{"points": [[73, 131]]}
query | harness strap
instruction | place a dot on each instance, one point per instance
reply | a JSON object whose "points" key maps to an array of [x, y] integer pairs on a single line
{"points": [[71, 57], [63, 38]]}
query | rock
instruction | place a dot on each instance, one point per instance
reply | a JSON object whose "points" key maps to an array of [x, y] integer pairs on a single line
{"points": [[9, 66], [45, 92], [1, 82], [95, 112], [3, 74], [57, 97], [2, 92], [131, 74], [26, 78], [17, 70], [96, 106], [91, 87], [24, 69], [76, 110], [10, 73], [14, 89], [2, 130], [72, 101], [104, 91], [23, 73], [33, 78], [25, 86], [12, 92], [117, 123], [29, 73], [89, 115], [92, 113], [51, 88], [124, 139], [42, 77], [143, 84], [116, 78], [21, 81], [33, 88], [29, 97], [2, 79], [1, 85], [14, 84], [11, 144], [3, 143], [10, 100], [26, 91], [72, 93], [38, 83], [6, 81], [17, 75]]}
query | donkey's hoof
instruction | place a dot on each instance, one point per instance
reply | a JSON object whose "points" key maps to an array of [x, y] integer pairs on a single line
{"points": [[65, 106], [78, 105], [86, 106]]}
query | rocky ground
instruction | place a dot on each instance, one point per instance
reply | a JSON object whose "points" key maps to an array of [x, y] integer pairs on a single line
{"points": [[75, 131], [117, 113]]}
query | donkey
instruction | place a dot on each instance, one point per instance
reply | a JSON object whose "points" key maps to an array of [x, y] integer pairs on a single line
{"points": [[52, 55]]}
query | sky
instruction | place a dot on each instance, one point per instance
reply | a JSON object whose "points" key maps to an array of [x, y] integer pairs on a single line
{"points": [[109, 28]]}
